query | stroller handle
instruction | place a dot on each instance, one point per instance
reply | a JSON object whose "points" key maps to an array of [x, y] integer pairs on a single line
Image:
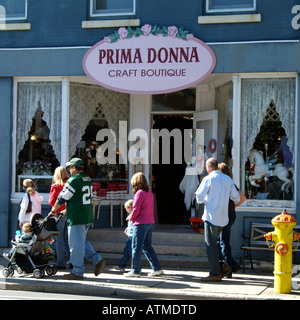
{"points": [[58, 214]]}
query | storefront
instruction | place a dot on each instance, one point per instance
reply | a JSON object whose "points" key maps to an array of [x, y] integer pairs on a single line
{"points": [[54, 111], [63, 116]]}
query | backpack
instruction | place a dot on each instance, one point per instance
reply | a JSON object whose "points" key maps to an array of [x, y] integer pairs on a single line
{"points": [[29, 207]]}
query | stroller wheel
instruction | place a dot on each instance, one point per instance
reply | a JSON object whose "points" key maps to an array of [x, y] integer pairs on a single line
{"points": [[8, 272], [51, 270], [19, 270], [38, 274]]}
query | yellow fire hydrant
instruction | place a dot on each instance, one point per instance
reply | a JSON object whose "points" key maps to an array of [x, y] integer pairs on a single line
{"points": [[283, 236]]}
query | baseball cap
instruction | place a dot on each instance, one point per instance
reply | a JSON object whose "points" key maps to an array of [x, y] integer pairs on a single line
{"points": [[76, 162]]}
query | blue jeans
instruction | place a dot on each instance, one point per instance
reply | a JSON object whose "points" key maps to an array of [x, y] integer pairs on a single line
{"points": [[61, 242], [212, 248], [224, 241], [80, 248], [126, 254], [142, 242]]}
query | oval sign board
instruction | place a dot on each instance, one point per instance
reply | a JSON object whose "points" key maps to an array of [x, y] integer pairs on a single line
{"points": [[149, 60]]}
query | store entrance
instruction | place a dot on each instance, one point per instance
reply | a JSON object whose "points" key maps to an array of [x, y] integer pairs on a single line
{"points": [[166, 178]]}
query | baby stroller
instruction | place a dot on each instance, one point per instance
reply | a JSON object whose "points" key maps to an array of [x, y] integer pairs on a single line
{"points": [[30, 257]]}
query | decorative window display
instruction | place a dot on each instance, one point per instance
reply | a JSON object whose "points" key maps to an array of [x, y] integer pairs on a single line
{"points": [[38, 132], [93, 109], [38, 151], [39, 129], [268, 139]]}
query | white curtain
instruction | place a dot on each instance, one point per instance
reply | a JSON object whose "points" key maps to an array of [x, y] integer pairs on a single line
{"points": [[47, 96], [257, 95], [84, 99]]}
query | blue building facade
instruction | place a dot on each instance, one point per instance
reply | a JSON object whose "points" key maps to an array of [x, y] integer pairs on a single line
{"points": [[51, 111]]}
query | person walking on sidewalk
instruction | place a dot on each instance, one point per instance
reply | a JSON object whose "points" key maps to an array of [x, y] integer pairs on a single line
{"points": [[142, 217], [224, 238], [129, 232], [77, 194], [60, 177], [215, 190]]}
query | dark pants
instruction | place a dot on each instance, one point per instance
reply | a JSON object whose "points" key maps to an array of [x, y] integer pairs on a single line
{"points": [[224, 241], [126, 254], [212, 247]]}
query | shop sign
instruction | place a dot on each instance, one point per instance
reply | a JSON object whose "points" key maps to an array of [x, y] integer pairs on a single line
{"points": [[149, 60]]}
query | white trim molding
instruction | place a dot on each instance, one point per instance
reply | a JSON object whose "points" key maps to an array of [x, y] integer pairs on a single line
{"points": [[94, 24], [15, 26], [235, 18]]}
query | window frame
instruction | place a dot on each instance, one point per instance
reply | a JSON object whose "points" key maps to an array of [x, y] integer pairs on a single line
{"points": [[254, 204], [15, 195], [15, 18], [209, 10], [93, 14]]}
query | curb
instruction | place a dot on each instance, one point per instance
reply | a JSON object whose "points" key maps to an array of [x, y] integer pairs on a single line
{"points": [[86, 287]]}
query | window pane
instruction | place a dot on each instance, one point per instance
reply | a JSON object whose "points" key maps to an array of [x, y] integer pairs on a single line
{"points": [[230, 5], [37, 160], [113, 7], [14, 8], [184, 100], [268, 138], [95, 111], [38, 133]]}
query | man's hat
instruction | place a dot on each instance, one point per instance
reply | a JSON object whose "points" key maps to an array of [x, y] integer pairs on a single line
{"points": [[76, 162]]}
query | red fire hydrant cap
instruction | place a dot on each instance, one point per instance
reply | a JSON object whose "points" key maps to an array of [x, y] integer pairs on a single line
{"points": [[284, 217]]}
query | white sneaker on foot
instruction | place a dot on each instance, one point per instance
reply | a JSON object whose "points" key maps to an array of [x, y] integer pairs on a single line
{"points": [[155, 273], [131, 275]]}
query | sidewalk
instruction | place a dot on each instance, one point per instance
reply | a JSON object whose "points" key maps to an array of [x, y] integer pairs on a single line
{"points": [[174, 284]]}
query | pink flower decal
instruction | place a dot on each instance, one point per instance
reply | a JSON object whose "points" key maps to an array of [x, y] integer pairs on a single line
{"points": [[107, 39], [189, 37], [146, 29], [172, 31], [123, 33]]}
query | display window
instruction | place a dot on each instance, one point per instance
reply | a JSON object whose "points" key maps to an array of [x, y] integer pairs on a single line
{"points": [[93, 109], [39, 129], [267, 140]]}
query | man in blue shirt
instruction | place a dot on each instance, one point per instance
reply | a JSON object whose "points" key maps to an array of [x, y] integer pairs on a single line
{"points": [[215, 191]]}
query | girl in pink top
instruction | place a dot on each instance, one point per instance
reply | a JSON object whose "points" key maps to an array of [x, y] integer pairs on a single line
{"points": [[142, 217]]}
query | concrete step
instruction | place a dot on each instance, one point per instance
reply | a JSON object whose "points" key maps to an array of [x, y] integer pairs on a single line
{"points": [[166, 261], [161, 233], [176, 246], [168, 248]]}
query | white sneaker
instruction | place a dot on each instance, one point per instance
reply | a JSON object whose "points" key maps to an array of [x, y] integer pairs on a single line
{"points": [[155, 273], [131, 275], [117, 268]]}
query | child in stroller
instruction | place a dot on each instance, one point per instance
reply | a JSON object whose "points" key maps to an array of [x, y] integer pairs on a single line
{"points": [[30, 257]]}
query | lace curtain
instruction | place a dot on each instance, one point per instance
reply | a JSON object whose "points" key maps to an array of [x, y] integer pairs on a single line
{"points": [[257, 95], [47, 96], [84, 99]]}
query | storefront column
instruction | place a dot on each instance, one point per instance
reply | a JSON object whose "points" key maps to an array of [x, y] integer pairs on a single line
{"points": [[6, 159], [65, 104], [236, 118], [140, 112], [297, 151]]}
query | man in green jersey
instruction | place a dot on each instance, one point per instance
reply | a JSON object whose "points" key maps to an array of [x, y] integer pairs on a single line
{"points": [[77, 194]]}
